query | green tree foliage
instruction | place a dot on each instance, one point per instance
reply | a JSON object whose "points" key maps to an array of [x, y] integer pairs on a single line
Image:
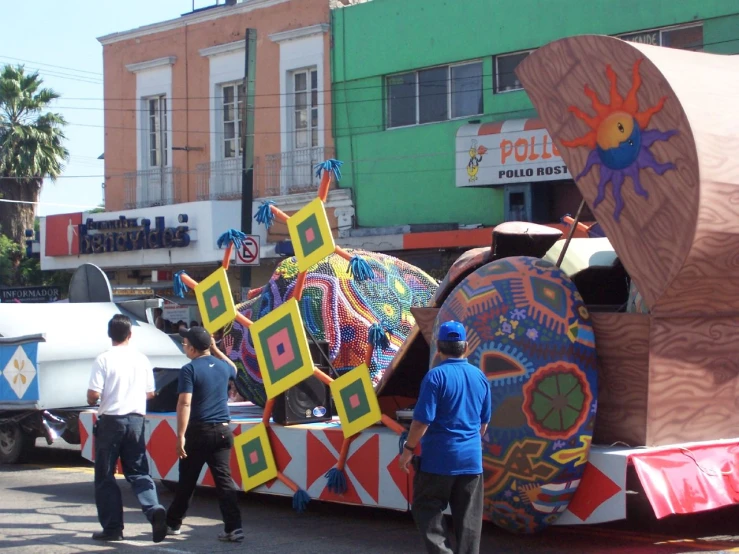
{"points": [[31, 146]]}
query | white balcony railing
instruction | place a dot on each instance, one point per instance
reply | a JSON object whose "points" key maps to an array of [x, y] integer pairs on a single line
{"points": [[151, 187], [292, 172], [220, 180]]}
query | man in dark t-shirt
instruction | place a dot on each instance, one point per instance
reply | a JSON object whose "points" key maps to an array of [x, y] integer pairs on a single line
{"points": [[203, 432]]}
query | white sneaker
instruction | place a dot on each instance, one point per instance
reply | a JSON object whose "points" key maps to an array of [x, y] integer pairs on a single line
{"points": [[237, 535], [173, 531]]}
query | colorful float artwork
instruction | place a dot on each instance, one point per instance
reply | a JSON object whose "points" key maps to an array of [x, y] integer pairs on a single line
{"points": [[338, 309], [529, 331]]}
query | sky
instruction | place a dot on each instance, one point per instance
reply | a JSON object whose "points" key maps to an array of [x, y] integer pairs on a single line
{"points": [[59, 38]]}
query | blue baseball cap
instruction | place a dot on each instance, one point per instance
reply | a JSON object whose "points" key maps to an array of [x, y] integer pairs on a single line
{"points": [[452, 331]]}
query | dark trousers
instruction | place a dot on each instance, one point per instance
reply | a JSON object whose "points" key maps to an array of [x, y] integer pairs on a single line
{"points": [[432, 494], [207, 444], [121, 437]]}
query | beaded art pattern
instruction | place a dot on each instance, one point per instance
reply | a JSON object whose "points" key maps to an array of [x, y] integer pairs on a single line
{"points": [[338, 309], [530, 333]]}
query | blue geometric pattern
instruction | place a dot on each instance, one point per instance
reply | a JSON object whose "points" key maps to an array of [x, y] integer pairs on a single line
{"points": [[19, 373]]}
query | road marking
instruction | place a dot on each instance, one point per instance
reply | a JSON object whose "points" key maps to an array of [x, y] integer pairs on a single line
{"points": [[70, 469], [157, 548]]}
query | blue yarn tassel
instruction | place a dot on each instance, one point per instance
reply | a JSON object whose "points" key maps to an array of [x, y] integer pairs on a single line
{"points": [[401, 440], [300, 501], [360, 269], [329, 165], [336, 480], [378, 337], [177, 285], [232, 235], [264, 214]]}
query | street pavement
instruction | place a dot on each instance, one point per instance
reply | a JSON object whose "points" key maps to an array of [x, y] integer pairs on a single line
{"points": [[47, 506]]}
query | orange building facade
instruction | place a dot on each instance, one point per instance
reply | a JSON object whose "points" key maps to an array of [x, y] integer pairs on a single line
{"points": [[174, 110], [174, 92]]}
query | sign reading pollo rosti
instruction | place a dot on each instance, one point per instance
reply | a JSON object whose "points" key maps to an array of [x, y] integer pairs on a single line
{"points": [[507, 152]]}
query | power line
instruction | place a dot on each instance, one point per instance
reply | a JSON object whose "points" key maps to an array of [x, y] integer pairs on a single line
{"points": [[345, 89], [52, 65], [261, 172], [48, 203]]}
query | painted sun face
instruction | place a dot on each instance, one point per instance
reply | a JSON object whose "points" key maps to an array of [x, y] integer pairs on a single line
{"points": [[619, 140]]}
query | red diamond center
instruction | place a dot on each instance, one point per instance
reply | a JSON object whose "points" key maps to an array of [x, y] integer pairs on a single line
{"points": [[354, 400]]}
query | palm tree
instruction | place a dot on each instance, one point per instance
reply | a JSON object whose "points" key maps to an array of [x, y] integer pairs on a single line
{"points": [[31, 147]]}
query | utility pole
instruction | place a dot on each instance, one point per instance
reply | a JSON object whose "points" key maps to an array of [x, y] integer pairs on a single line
{"points": [[247, 144]]}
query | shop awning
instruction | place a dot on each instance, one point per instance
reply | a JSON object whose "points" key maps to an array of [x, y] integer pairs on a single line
{"points": [[507, 152]]}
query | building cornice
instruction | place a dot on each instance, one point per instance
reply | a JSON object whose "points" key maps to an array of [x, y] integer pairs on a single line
{"points": [[222, 48], [151, 64], [189, 19], [301, 32]]}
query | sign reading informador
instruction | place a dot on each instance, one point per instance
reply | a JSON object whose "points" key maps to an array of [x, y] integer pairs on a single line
{"points": [[507, 152], [30, 295]]}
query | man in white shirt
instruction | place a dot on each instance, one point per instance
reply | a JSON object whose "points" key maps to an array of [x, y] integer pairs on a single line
{"points": [[122, 380]]}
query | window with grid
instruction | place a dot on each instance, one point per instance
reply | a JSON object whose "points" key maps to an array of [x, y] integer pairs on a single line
{"points": [[305, 108], [233, 108], [434, 94], [157, 131]]}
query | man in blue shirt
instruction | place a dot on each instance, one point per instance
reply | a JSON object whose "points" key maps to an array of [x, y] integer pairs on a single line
{"points": [[449, 420], [203, 432]]}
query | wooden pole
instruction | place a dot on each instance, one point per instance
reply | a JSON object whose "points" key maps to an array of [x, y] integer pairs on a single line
{"points": [[572, 232]]}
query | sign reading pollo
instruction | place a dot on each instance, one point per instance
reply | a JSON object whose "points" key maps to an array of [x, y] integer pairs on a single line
{"points": [[506, 152]]}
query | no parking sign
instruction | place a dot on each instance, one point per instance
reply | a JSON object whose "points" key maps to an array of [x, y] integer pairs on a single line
{"points": [[249, 252]]}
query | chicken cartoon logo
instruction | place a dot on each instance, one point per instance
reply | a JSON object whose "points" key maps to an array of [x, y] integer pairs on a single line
{"points": [[476, 154]]}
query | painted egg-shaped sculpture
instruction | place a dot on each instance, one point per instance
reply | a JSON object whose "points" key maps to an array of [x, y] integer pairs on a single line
{"points": [[530, 333]]}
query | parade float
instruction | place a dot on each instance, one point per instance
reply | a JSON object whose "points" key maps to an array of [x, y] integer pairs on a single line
{"points": [[603, 354]]}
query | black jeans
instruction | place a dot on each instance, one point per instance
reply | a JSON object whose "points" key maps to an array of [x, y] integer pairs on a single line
{"points": [[121, 437], [207, 444], [431, 495]]}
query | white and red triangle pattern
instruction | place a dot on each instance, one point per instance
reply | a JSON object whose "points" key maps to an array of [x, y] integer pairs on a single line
{"points": [[304, 453]]}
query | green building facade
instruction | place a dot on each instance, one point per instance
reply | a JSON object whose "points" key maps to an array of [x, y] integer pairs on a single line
{"points": [[407, 75]]}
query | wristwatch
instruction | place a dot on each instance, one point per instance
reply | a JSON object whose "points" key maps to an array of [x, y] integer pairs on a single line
{"points": [[408, 447]]}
